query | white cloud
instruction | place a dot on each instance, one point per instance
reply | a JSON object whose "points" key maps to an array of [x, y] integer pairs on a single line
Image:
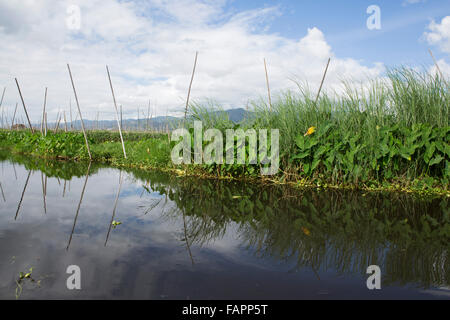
{"points": [[149, 47], [408, 2], [439, 34]]}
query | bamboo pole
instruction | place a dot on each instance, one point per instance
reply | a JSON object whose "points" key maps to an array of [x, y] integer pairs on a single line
{"points": [[1, 103], [190, 86], [45, 128], [148, 113], [14, 116], [121, 123], [151, 117], [70, 109], [321, 83], [43, 192], [25, 108], [57, 122], [268, 87], [43, 112], [79, 111], [65, 121], [117, 113]]}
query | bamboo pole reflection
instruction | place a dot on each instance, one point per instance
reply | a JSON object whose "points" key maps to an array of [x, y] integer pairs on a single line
{"points": [[15, 173], [188, 246], [79, 204], [23, 193], [3, 195], [114, 209], [43, 192]]}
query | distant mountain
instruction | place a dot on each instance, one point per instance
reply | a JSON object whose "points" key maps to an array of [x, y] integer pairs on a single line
{"points": [[236, 115], [158, 123]]}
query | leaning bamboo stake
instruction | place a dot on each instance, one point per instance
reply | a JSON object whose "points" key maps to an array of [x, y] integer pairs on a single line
{"points": [[3, 95], [436, 64], [25, 108], [321, 83], [268, 88], [190, 86], [79, 111], [43, 112], [117, 113], [57, 122]]}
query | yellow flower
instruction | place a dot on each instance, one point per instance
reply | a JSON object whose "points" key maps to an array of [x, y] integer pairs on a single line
{"points": [[310, 131], [306, 231]]}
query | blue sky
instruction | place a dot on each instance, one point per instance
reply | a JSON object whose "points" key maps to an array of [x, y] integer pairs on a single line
{"points": [[344, 24], [149, 46]]}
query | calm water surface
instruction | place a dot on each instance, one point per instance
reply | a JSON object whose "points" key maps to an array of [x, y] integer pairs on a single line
{"points": [[183, 238]]}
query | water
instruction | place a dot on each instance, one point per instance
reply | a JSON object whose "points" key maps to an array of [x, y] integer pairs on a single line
{"points": [[183, 238]]}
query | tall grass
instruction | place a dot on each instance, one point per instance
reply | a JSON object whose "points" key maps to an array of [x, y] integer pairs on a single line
{"points": [[405, 97], [406, 114]]}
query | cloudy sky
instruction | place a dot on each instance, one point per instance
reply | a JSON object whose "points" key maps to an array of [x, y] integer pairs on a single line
{"points": [[150, 45]]}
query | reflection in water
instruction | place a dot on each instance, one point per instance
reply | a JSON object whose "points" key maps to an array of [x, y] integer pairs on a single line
{"points": [[23, 193], [79, 204], [247, 240], [345, 232], [115, 207], [3, 194]]}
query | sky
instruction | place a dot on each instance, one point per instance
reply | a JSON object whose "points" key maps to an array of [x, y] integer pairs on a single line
{"points": [[150, 45]]}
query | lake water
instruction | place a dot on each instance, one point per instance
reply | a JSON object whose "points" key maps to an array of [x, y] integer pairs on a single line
{"points": [[184, 238]]}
